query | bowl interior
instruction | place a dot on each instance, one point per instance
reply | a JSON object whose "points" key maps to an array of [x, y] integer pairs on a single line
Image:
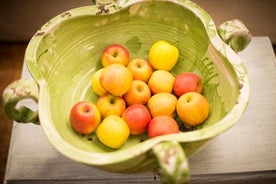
{"points": [[69, 53]]}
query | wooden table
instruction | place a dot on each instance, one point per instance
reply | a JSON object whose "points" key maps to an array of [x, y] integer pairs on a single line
{"points": [[245, 153]]}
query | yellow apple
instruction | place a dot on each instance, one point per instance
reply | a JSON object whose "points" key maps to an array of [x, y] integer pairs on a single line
{"points": [[161, 81], [139, 93], [163, 55], [96, 84], [140, 69], [113, 131], [193, 108], [115, 53], [162, 104], [116, 79], [109, 104]]}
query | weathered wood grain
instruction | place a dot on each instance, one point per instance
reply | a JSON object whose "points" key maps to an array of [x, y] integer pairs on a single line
{"points": [[11, 60]]}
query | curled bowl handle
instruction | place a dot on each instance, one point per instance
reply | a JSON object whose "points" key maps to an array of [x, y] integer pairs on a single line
{"points": [[235, 34], [15, 92], [173, 162]]}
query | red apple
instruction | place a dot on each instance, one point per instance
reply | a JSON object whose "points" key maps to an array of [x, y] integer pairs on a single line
{"points": [[137, 117], [85, 117], [139, 93], [110, 104], [162, 125], [187, 82], [115, 53], [141, 69], [193, 108]]}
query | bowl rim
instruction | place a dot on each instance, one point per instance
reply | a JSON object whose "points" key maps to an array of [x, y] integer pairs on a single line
{"points": [[115, 157]]}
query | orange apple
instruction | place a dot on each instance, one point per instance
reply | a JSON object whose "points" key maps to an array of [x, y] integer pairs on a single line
{"points": [[162, 125], [193, 108], [137, 117], [96, 84], [140, 69], [162, 104], [187, 82], [116, 79], [115, 53], [161, 81], [139, 93], [84, 117], [109, 104]]}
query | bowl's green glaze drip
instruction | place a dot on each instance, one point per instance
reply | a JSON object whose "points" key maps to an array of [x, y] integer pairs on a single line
{"points": [[70, 53]]}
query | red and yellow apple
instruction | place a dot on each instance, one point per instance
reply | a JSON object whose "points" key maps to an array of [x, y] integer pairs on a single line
{"points": [[187, 82], [84, 117], [163, 55], [162, 125], [192, 108], [139, 93], [115, 53], [140, 69], [137, 117], [162, 104], [116, 79], [96, 84], [113, 131], [108, 104], [161, 81]]}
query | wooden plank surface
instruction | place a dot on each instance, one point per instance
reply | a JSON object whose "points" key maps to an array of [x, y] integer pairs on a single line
{"points": [[11, 59], [245, 153]]}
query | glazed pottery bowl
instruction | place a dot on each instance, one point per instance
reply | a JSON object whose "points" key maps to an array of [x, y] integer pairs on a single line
{"points": [[64, 54]]}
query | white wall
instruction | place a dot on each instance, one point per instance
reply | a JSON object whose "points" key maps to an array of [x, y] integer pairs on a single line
{"points": [[19, 19]]}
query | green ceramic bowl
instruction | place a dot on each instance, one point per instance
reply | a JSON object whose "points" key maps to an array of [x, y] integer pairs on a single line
{"points": [[63, 55]]}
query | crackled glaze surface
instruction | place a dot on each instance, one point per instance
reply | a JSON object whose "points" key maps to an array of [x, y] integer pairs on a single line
{"points": [[63, 55]]}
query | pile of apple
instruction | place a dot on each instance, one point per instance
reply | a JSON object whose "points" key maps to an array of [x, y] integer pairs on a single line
{"points": [[139, 95]]}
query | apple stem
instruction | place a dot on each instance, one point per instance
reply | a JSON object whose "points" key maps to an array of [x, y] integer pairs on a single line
{"points": [[138, 65], [112, 100], [140, 88], [115, 54], [189, 98]]}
